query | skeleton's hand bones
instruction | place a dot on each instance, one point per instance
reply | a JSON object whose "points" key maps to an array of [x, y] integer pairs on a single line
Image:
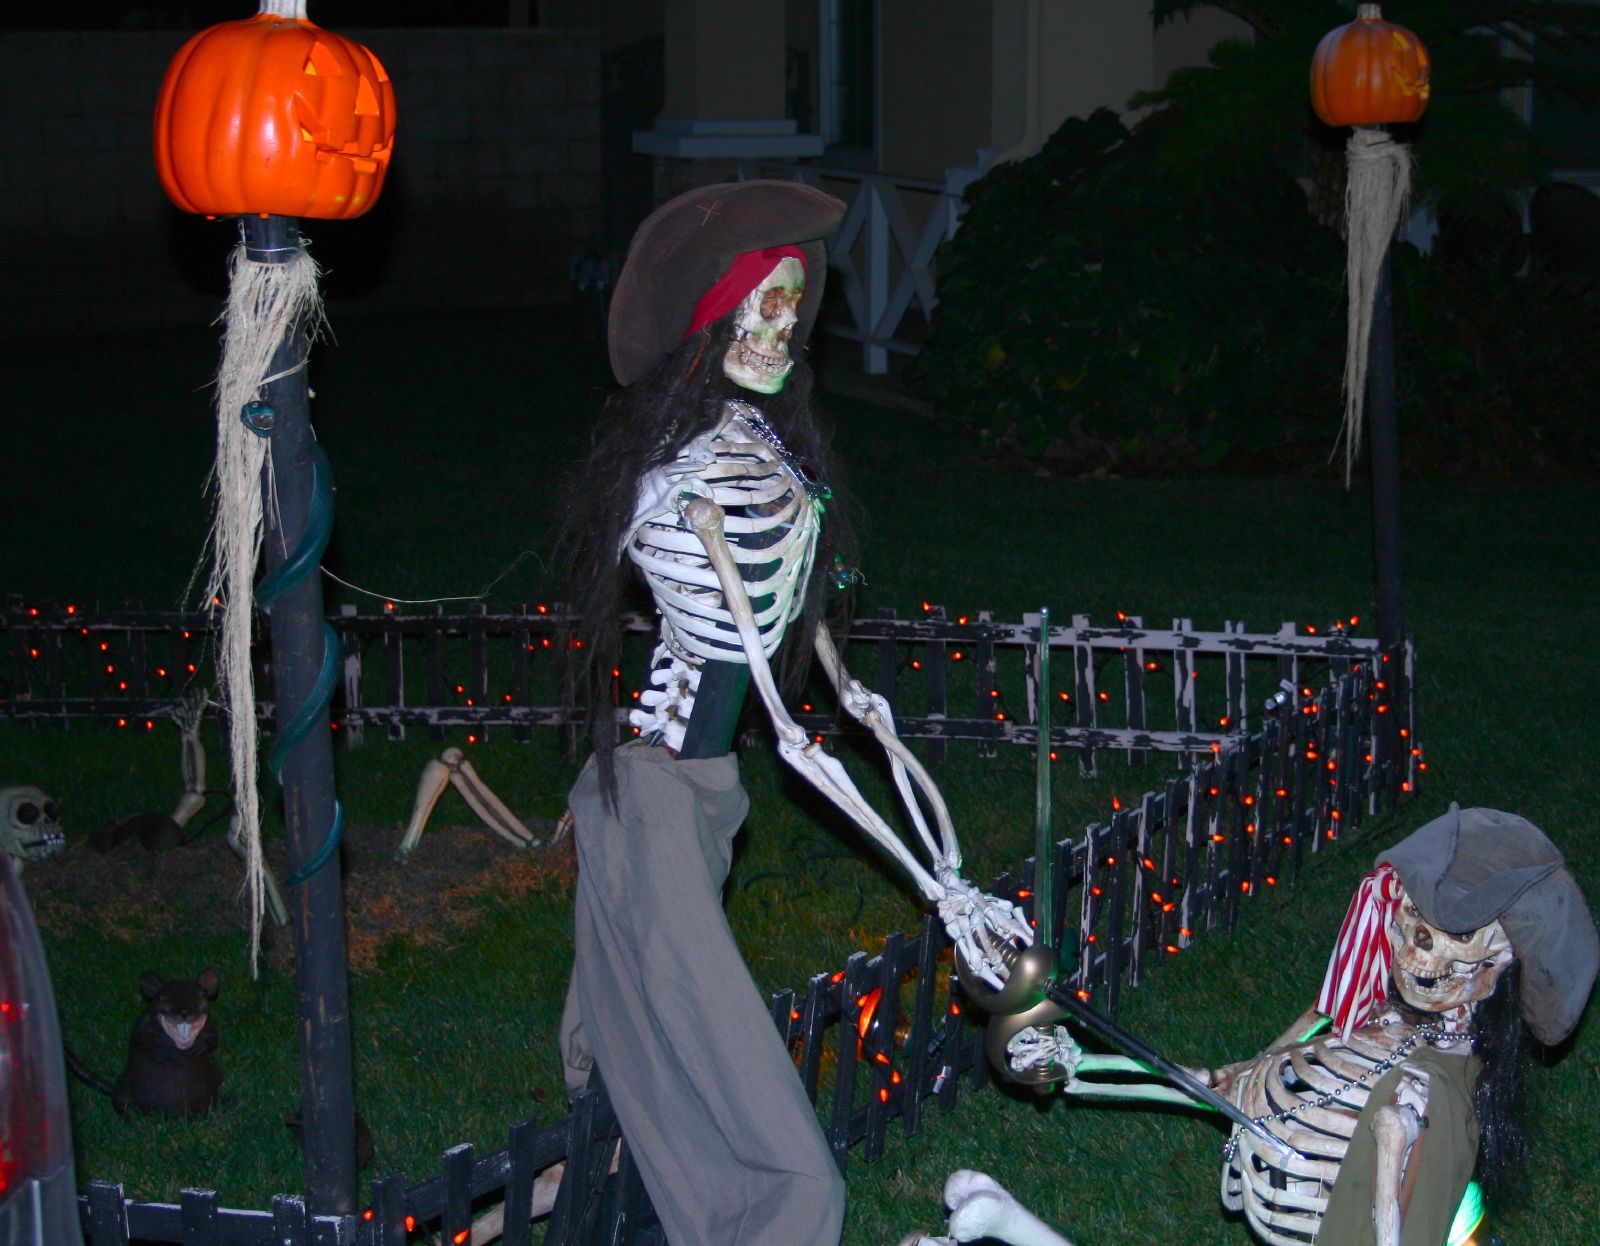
{"points": [[978, 924], [1032, 1048]]}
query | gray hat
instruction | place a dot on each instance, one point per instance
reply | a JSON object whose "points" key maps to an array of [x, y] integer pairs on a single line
{"points": [[1470, 867], [688, 242]]}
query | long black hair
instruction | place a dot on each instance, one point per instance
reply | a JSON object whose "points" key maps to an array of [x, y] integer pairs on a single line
{"points": [[1500, 1039], [641, 427]]}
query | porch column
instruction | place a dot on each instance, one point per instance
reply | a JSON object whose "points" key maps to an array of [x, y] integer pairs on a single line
{"points": [[724, 98]]}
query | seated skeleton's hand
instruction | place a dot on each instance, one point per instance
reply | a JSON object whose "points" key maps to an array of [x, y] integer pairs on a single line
{"points": [[979, 924], [1052, 1049]]}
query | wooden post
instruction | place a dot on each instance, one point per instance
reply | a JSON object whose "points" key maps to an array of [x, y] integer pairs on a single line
{"points": [[298, 628], [1386, 522]]}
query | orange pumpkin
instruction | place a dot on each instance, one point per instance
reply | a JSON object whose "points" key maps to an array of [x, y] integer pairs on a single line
{"points": [[1369, 72], [274, 115]]}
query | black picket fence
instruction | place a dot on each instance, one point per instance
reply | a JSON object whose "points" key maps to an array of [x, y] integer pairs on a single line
{"points": [[1282, 777], [876, 1042], [946, 678]]}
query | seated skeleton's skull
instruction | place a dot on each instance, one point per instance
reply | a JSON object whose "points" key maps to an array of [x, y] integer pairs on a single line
{"points": [[30, 824], [1435, 971]]}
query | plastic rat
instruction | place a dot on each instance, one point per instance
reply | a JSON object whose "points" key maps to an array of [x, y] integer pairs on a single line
{"points": [[169, 1069]]}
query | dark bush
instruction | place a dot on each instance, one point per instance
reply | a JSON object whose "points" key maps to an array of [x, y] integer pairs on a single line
{"points": [[1166, 300]]}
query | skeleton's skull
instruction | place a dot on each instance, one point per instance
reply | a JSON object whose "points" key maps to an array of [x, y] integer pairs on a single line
{"points": [[30, 824], [758, 357], [1437, 972]]}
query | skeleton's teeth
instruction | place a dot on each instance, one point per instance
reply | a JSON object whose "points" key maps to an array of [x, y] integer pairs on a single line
{"points": [[772, 364]]}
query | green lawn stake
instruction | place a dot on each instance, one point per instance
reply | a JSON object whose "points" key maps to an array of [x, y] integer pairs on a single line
{"points": [[1044, 899]]}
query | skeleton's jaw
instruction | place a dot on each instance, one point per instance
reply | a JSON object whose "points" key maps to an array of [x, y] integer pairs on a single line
{"points": [[41, 846], [759, 371], [1461, 984]]}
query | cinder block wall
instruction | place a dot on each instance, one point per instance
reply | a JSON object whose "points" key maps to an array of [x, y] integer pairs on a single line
{"points": [[495, 182]]}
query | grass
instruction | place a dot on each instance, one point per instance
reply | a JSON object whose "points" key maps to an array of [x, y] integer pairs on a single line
{"points": [[447, 440]]}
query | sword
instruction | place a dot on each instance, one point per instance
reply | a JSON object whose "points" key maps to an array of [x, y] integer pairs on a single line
{"points": [[1032, 976], [1063, 997]]}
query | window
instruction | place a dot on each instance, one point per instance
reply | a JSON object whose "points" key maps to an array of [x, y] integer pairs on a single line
{"points": [[848, 86]]}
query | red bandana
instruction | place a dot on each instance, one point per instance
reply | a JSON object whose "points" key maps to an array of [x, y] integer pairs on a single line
{"points": [[747, 270], [1358, 970]]}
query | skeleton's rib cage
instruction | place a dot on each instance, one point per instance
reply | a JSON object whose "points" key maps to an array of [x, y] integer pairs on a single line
{"points": [[730, 514], [771, 524], [1324, 1084]]}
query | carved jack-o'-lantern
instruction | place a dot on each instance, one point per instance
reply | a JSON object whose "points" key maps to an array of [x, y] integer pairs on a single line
{"points": [[273, 114], [1369, 72]]}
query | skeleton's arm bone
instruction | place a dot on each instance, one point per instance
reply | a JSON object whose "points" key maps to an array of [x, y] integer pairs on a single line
{"points": [[1396, 1129], [821, 769], [1032, 1047], [274, 897], [1300, 1030], [191, 759], [873, 712], [483, 802], [435, 778]]}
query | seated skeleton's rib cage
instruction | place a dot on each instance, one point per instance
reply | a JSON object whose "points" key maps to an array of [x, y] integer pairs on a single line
{"points": [[771, 523]]}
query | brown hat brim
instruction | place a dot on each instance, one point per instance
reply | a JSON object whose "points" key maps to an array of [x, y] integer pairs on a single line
{"points": [[685, 245]]}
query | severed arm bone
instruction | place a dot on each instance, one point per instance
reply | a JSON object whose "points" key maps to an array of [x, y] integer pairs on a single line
{"points": [[977, 923], [451, 768]]}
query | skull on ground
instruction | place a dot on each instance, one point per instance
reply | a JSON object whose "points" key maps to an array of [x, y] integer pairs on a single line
{"points": [[30, 825]]}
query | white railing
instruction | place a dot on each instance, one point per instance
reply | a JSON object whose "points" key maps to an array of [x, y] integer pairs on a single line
{"points": [[883, 252]]}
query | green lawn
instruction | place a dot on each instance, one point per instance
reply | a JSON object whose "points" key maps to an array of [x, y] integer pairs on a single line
{"points": [[448, 439]]}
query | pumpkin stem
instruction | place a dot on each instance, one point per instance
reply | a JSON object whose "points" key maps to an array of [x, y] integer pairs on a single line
{"points": [[1364, 12], [295, 10]]}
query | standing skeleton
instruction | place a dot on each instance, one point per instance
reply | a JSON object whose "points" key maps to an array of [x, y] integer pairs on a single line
{"points": [[730, 522], [717, 504], [1389, 1094]]}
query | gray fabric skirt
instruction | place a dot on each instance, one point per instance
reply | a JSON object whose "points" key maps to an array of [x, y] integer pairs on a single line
{"points": [[660, 999]]}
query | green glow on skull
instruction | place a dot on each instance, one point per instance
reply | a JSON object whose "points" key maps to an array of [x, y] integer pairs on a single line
{"points": [[758, 358]]}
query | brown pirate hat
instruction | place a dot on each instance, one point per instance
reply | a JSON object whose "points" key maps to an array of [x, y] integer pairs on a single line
{"points": [[687, 243]]}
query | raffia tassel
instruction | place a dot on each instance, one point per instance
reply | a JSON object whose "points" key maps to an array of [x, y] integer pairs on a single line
{"points": [[266, 302], [1375, 198]]}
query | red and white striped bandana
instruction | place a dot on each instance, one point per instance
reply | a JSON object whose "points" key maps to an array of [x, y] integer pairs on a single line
{"points": [[1358, 970]]}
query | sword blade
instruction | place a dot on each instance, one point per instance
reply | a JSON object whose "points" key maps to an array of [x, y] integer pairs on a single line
{"points": [[1062, 995]]}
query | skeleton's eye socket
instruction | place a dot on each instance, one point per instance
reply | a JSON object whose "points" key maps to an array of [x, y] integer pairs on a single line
{"points": [[51, 812], [27, 813], [1411, 910], [773, 301]]}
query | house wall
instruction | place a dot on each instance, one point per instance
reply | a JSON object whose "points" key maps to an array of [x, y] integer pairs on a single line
{"points": [[1187, 40], [495, 182], [960, 76], [935, 103], [724, 60], [619, 22], [1096, 55]]}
